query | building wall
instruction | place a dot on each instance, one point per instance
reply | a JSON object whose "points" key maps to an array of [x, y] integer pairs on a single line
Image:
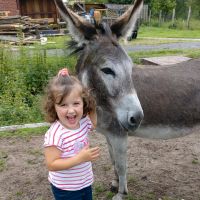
{"points": [[9, 5]]}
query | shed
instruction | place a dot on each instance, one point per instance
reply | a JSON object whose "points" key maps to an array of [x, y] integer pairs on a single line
{"points": [[35, 9]]}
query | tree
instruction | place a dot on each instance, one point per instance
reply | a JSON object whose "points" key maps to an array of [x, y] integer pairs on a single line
{"points": [[195, 5], [165, 5], [181, 8]]}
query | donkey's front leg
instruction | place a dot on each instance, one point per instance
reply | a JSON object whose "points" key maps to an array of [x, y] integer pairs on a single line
{"points": [[119, 155]]}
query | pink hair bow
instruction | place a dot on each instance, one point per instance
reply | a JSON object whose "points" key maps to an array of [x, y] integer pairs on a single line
{"points": [[63, 72]]}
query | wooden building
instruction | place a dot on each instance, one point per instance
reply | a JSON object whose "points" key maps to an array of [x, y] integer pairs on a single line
{"points": [[35, 9]]}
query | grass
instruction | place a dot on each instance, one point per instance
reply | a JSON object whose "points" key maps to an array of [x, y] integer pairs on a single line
{"points": [[136, 56], [98, 189], [28, 132], [3, 157], [195, 161], [35, 154], [162, 32], [150, 41], [2, 165], [132, 180], [19, 193]]}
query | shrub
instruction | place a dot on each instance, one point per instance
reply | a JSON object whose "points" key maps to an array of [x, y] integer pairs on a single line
{"points": [[23, 75]]}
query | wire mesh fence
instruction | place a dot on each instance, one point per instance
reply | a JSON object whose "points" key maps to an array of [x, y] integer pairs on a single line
{"points": [[180, 17]]}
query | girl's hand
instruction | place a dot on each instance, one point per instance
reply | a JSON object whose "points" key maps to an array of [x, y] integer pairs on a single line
{"points": [[88, 154]]}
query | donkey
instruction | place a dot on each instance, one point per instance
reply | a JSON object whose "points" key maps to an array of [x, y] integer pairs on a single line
{"points": [[105, 68]]}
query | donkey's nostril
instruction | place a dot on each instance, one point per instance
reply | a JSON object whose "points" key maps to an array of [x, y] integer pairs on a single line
{"points": [[133, 121]]}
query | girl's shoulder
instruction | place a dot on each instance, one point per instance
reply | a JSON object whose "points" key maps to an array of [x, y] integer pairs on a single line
{"points": [[54, 136], [85, 120], [55, 128]]}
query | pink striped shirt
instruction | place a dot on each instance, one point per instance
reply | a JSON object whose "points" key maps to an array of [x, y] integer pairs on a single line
{"points": [[70, 142]]}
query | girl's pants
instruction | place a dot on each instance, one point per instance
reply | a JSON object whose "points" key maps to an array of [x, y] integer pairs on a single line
{"points": [[83, 194]]}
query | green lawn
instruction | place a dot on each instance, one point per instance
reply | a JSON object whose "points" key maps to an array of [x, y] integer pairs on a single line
{"points": [[160, 32], [24, 133], [136, 56]]}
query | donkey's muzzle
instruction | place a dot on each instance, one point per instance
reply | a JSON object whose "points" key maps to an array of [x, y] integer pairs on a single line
{"points": [[129, 112], [130, 120]]}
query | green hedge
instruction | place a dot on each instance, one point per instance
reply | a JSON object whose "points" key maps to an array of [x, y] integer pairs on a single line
{"points": [[23, 75]]}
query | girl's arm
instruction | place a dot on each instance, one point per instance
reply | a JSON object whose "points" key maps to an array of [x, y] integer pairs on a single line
{"points": [[55, 163], [93, 117]]}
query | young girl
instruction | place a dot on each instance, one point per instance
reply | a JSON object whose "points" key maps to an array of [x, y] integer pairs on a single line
{"points": [[71, 110]]}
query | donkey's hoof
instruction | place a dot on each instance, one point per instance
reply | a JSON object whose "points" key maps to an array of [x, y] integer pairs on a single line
{"points": [[114, 186], [114, 189], [118, 196]]}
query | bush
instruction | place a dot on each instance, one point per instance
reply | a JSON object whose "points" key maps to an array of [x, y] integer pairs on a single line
{"points": [[23, 75]]}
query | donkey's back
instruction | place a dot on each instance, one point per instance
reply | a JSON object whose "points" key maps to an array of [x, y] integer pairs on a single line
{"points": [[169, 95]]}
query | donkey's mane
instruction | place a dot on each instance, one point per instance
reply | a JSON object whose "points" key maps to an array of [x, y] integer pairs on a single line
{"points": [[73, 46]]}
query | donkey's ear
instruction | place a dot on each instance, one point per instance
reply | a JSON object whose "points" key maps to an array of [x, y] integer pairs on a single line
{"points": [[125, 24], [78, 27]]}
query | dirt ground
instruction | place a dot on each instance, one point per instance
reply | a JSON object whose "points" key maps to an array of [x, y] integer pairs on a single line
{"points": [[157, 169]]}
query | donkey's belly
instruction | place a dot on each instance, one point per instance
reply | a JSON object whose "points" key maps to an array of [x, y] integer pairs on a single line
{"points": [[163, 132]]}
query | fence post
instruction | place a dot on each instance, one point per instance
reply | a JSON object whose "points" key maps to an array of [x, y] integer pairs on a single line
{"points": [[188, 18], [149, 18], [160, 17], [173, 17]]}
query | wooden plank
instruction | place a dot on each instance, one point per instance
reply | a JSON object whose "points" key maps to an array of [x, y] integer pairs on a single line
{"points": [[11, 26], [164, 60], [8, 33], [10, 21], [42, 20], [11, 17], [9, 38]]}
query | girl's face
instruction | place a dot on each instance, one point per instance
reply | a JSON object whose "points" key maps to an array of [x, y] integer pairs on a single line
{"points": [[70, 111]]}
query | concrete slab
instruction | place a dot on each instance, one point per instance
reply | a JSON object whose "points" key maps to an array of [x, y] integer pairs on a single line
{"points": [[164, 60]]}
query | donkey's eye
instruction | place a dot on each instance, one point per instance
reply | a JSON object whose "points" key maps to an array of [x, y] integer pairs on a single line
{"points": [[109, 71]]}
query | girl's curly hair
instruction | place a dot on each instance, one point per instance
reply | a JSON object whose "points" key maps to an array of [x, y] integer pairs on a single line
{"points": [[57, 89]]}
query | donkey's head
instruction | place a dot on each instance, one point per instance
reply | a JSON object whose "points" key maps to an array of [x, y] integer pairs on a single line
{"points": [[105, 67]]}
